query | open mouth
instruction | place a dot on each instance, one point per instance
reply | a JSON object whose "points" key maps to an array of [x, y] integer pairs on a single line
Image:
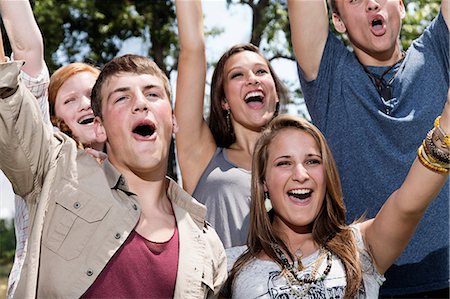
{"points": [[300, 194], [86, 120], [377, 22], [254, 97], [144, 130]]}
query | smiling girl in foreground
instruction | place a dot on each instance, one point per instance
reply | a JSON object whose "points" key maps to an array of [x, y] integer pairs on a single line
{"points": [[302, 247]]}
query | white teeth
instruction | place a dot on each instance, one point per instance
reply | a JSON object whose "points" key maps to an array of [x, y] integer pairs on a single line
{"points": [[300, 191], [254, 94], [85, 118]]}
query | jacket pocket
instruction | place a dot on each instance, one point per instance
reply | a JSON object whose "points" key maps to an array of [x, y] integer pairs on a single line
{"points": [[74, 220]]}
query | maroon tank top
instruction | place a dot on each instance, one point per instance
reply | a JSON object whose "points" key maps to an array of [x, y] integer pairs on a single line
{"points": [[139, 269]]}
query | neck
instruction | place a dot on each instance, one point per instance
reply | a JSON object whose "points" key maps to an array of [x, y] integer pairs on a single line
{"points": [[387, 58], [245, 140], [97, 146], [296, 238]]}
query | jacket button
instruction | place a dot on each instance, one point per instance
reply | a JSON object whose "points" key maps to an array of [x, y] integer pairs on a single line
{"points": [[77, 205], [89, 272], [117, 236], [135, 207]]}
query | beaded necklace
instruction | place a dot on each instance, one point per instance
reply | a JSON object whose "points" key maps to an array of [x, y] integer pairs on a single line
{"points": [[295, 274]]}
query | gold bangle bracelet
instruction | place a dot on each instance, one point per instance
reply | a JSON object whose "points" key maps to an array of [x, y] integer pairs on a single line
{"points": [[428, 165], [444, 137], [432, 161]]}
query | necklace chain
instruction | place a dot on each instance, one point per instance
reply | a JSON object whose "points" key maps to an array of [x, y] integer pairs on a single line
{"points": [[294, 272], [384, 87]]}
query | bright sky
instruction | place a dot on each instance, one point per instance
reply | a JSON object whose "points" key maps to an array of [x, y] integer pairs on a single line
{"points": [[236, 23]]}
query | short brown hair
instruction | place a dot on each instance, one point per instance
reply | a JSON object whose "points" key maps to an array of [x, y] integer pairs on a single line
{"points": [[128, 63]]}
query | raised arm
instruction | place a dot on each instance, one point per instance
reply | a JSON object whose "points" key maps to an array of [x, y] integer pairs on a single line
{"points": [[309, 28], [2, 49], [388, 234], [24, 35], [445, 11], [194, 142]]}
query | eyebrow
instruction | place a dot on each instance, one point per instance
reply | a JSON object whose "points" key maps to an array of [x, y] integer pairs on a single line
{"points": [[289, 156], [123, 89]]}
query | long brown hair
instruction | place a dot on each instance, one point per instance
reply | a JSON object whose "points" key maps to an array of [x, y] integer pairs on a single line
{"points": [[224, 134], [329, 228]]}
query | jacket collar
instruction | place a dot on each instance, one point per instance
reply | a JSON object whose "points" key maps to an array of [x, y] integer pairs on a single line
{"points": [[182, 199]]}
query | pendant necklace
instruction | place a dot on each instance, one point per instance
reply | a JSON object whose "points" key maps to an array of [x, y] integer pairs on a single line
{"points": [[383, 86]]}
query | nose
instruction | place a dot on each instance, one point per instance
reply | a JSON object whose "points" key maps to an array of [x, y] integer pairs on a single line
{"points": [[300, 173], [373, 5], [85, 103], [252, 78], [140, 103]]}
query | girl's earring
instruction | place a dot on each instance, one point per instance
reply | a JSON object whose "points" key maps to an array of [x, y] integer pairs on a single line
{"points": [[267, 201], [228, 117]]}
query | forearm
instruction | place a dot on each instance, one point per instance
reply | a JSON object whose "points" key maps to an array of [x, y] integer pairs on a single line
{"points": [[24, 34], [445, 8], [309, 30], [191, 70], [2, 49]]}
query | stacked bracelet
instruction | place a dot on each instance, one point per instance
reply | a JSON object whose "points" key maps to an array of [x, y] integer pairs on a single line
{"points": [[433, 153], [440, 135], [433, 150], [425, 160]]}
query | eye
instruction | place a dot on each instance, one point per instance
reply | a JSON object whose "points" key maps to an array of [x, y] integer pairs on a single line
{"points": [[119, 99], [283, 163], [235, 75], [153, 95], [261, 72], [314, 161], [69, 100]]}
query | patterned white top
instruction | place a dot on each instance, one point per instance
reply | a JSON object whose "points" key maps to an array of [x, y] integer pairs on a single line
{"points": [[263, 278]]}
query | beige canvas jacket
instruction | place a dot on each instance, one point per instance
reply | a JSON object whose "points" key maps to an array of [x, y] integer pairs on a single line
{"points": [[81, 212]]}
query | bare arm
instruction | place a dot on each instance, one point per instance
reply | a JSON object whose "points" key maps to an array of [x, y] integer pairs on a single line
{"points": [[309, 27], [24, 34], [195, 144], [389, 233], [2, 50], [445, 11]]}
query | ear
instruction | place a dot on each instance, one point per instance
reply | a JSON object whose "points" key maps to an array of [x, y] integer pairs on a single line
{"points": [[99, 129], [225, 105], [174, 124], [402, 9], [265, 187], [338, 23]]}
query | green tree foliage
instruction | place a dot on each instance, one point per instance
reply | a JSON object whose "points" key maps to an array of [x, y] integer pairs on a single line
{"points": [[419, 14], [7, 242], [94, 30]]}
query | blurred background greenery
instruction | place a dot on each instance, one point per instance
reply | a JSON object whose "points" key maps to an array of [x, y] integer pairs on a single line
{"points": [[7, 248]]}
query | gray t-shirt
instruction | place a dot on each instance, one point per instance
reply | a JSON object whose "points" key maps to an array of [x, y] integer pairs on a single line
{"points": [[224, 189], [262, 278], [374, 149]]}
